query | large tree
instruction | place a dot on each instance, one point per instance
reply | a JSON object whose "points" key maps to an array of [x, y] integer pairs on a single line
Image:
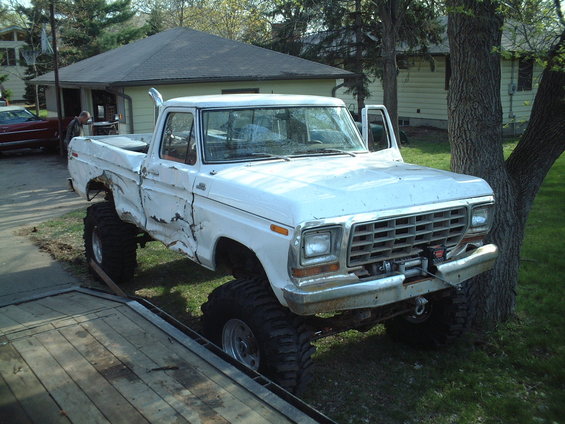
{"points": [[3, 15], [242, 20], [475, 133], [291, 21], [32, 18], [362, 36], [347, 37], [413, 23], [90, 27]]}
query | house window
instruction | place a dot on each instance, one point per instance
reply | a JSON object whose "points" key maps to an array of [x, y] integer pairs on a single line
{"points": [[8, 57], [240, 90], [447, 72], [525, 74]]}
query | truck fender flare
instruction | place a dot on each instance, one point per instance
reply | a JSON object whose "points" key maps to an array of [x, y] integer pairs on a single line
{"points": [[97, 185], [239, 258]]}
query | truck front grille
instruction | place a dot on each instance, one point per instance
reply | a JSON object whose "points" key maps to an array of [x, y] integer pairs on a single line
{"points": [[405, 236]]}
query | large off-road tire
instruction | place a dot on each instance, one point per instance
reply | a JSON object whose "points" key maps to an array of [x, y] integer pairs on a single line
{"points": [[245, 319], [110, 242], [441, 323]]}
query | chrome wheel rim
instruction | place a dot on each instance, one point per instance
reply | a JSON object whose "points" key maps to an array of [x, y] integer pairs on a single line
{"points": [[96, 247], [240, 343]]}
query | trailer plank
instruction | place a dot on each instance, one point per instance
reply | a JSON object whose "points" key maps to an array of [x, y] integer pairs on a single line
{"points": [[28, 389], [121, 376], [77, 405], [133, 343], [35, 309], [87, 357], [112, 404], [29, 319], [74, 304], [10, 406], [201, 374], [9, 323]]}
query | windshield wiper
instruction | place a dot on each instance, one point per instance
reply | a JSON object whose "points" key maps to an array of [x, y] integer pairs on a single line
{"points": [[325, 150], [269, 155]]}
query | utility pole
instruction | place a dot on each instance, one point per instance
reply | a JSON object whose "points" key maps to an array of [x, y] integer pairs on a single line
{"points": [[62, 150]]}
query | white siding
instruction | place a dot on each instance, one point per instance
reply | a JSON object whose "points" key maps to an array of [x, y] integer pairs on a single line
{"points": [[422, 97], [520, 103], [143, 105], [15, 82], [421, 92]]}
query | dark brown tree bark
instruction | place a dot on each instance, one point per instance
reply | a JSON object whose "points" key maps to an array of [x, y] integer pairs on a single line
{"points": [[389, 10], [475, 133], [358, 69]]}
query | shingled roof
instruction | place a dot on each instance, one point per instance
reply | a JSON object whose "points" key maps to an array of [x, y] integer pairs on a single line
{"points": [[183, 55]]}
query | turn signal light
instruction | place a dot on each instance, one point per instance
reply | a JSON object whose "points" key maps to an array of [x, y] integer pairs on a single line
{"points": [[307, 272], [279, 230], [471, 240]]}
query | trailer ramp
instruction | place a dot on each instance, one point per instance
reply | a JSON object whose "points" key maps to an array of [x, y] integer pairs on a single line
{"points": [[81, 356]]}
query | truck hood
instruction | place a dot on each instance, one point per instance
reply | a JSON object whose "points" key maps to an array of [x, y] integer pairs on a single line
{"points": [[316, 188]]}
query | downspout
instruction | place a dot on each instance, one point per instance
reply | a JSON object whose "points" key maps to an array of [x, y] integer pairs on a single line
{"points": [[129, 103], [337, 87]]}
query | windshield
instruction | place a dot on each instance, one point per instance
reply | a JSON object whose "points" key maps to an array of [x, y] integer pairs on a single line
{"points": [[15, 116], [264, 133]]}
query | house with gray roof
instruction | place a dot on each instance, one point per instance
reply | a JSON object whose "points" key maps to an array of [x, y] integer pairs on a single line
{"points": [[180, 62]]}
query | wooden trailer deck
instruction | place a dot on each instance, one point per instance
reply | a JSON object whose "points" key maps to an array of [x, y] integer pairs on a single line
{"points": [[85, 357]]}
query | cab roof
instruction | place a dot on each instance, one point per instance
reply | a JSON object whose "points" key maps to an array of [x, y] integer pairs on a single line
{"points": [[252, 100]]}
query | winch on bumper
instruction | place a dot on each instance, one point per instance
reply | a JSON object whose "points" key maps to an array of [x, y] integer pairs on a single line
{"points": [[344, 295]]}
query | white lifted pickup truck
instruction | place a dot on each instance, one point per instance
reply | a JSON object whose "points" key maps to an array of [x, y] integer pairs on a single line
{"points": [[324, 229]]}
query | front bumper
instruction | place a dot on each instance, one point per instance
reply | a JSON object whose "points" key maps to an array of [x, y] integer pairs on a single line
{"points": [[390, 289]]}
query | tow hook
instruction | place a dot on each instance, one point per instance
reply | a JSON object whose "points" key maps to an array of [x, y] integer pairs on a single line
{"points": [[420, 305]]}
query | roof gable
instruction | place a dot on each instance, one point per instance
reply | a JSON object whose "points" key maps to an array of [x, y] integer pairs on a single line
{"points": [[184, 55]]}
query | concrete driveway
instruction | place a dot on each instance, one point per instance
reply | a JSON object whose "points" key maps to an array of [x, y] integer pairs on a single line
{"points": [[33, 189]]}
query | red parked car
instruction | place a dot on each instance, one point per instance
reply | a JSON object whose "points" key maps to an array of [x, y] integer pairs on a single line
{"points": [[20, 128]]}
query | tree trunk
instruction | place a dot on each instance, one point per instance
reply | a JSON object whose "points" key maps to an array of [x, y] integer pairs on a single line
{"points": [[359, 58], [475, 134], [389, 16]]}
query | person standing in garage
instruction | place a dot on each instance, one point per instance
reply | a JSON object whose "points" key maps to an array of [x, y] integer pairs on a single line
{"points": [[75, 128]]}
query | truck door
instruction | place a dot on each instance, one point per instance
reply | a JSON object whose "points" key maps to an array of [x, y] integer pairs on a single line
{"points": [[376, 128], [167, 180]]}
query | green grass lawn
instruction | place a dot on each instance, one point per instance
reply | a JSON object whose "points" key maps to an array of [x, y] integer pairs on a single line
{"points": [[513, 374]]}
